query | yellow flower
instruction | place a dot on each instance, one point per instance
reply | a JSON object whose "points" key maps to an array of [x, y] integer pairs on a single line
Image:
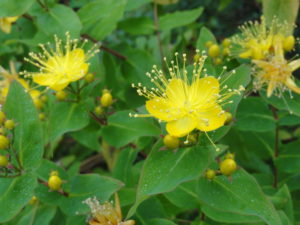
{"points": [[256, 40], [106, 214], [8, 77], [186, 103], [5, 23], [60, 65], [276, 72]]}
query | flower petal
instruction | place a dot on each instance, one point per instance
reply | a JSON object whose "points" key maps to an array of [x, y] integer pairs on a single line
{"points": [[159, 107], [295, 64], [292, 85], [182, 126], [211, 118], [204, 91], [176, 92], [44, 79]]}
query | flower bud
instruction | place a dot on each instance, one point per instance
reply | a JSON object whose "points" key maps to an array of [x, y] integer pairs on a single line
{"points": [[218, 61], [289, 43], [208, 44], [3, 161], [171, 142], [214, 51], [4, 142], [226, 42], [9, 124], [44, 98], [226, 51], [89, 77], [33, 200], [42, 116], [228, 166], [99, 110], [229, 156], [210, 174], [2, 117], [61, 95], [54, 182], [106, 99], [228, 118], [38, 103]]}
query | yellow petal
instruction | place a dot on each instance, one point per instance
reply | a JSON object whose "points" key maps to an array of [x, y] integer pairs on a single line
{"points": [[292, 85], [211, 118], [294, 65], [44, 79], [182, 126], [5, 26], [176, 92], [79, 73], [12, 19], [34, 94], [128, 222], [271, 87], [204, 91], [159, 108], [60, 85]]}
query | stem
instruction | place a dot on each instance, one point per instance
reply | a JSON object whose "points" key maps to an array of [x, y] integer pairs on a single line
{"points": [[276, 146], [43, 5], [111, 51], [156, 25]]}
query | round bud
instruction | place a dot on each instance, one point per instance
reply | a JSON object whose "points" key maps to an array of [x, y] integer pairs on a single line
{"points": [[33, 200], [171, 142], [208, 44], [9, 124], [3, 161], [54, 173], [54, 183], [289, 43], [218, 61], [106, 99], [42, 116], [229, 118], [4, 142], [38, 103], [61, 95], [214, 51], [89, 77], [227, 167], [226, 51], [226, 42], [210, 174], [229, 156], [99, 110], [44, 98], [2, 131], [2, 117], [196, 57]]}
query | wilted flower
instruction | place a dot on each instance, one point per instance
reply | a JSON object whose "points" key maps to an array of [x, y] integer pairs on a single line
{"points": [[256, 40], [186, 103], [5, 23], [276, 72], [60, 65], [106, 214]]}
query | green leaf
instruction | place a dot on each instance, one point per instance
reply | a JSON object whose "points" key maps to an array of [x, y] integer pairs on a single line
{"points": [[228, 217], [283, 10], [122, 129], [286, 102], [133, 4], [88, 186], [28, 139], [160, 222], [58, 20], [14, 7], [15, 193], [100, 17], [285, 202], [179, 19], [242, 195], [205, 36], [254, 115], [165, 170], [37, 216], [289, 158], [137, 26], [65, 117]]}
